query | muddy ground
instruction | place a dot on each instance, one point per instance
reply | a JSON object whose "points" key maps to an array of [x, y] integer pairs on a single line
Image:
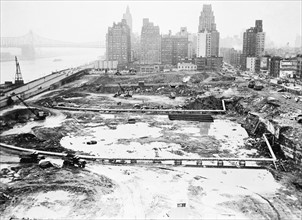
{"points": [[147, 190]]}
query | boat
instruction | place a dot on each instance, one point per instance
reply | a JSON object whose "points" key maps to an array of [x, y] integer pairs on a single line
{"points": [[57, 60]]}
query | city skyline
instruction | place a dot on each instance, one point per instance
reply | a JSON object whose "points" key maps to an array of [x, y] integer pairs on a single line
{"points": [[89, 21]]}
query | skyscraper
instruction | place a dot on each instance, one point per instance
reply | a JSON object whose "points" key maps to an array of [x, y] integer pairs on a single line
{"points": [[253, 43], [208, 36], [150, 43], [118, 43], [128, 17], [206, 19]]}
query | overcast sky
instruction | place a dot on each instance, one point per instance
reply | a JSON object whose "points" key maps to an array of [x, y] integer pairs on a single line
{"points": [[84, 21]]}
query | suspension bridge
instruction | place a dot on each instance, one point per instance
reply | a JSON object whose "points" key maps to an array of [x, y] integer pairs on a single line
{"points": [[30, 41]]}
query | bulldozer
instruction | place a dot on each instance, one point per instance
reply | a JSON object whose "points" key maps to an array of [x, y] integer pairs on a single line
{"points": [[74, 160], [31, 157]]}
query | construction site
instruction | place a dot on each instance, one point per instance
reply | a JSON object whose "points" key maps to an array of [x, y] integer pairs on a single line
{"points": [[166, 145]]}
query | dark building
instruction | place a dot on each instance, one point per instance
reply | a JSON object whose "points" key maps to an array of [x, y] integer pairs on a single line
{"points": [[167, 49], [253, 43], [299, 66], [118, 44], [215, 43], [150, 43], [208, 63], [174, 48], [274, 66]]}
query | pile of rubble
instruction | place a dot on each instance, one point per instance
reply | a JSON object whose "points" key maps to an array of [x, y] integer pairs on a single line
{"points": [[208, 102]]}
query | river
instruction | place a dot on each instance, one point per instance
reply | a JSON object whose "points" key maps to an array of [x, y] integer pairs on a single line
{"points": [[51, 59]]}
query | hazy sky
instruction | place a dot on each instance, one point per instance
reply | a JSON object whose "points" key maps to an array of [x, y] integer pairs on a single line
{"points": [[82, 21]]}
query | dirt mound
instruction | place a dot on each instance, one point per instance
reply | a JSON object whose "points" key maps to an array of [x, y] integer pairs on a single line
{"points": [[33, 181], [27, 138]]}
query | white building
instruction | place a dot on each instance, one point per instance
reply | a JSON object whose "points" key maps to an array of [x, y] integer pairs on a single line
{"points": [[186, 66], [105, 64], [287, 68], [203, 44], [251, 63], [260, 42]]}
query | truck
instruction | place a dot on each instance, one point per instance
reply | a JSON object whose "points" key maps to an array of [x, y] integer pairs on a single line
{"points": [[74, 160]]}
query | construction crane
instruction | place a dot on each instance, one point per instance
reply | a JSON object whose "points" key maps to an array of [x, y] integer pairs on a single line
{"points": [[40, 115], [18, 76], [122, 91]]}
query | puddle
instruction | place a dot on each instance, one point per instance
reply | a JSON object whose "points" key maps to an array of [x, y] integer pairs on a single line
{"points": [[14, 107], [49, 122], [107, 139], [229, 134]]}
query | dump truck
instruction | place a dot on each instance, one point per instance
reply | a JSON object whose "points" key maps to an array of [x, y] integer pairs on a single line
{"points": [[74, 160], [30, 157]]}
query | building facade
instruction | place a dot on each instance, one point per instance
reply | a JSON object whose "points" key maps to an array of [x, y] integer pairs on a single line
{"points": [[118, 44], [288, 68], [231, 56], [174, 48], [274, 67], [208, 63], [253, 64], [150, 43], [192, 45], [299, 66], [186, 66], [264, 63]]}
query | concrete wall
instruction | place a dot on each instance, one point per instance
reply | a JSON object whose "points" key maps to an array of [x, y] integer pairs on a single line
{"points": [[38, 86]]}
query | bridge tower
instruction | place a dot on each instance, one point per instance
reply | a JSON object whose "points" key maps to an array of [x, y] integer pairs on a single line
{"points": [[18, 76], [28, 48]]}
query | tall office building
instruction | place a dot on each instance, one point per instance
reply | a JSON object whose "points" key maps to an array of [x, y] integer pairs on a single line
{"points": [[208, 36], [253, 43], [118, 43], [206, 19], [128, 17], [150, 43]]}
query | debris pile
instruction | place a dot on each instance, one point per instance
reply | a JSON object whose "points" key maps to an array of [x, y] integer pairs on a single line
{"points": [[209, 102]]}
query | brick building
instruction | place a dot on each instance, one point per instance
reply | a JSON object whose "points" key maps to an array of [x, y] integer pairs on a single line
{"points": [[118, 44], [150, 43]]}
